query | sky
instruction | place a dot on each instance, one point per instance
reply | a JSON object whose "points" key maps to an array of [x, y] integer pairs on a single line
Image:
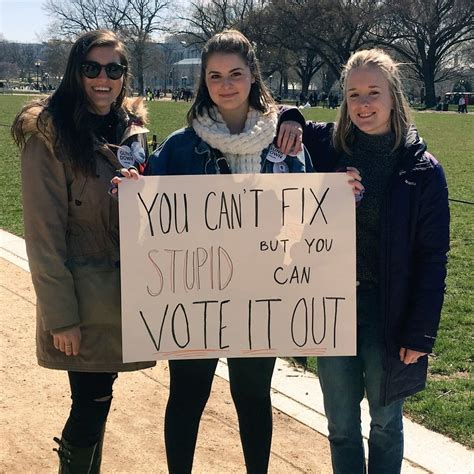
{"points": [[23, 21]]}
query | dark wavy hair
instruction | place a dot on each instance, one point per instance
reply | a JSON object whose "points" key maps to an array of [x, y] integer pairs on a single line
{"points": [[69, 104], [230, 42]]}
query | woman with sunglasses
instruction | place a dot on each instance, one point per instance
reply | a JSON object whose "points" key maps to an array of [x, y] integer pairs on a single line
{"points": [[72, 143]]}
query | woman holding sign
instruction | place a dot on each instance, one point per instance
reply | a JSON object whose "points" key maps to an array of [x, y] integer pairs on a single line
{"points": [[72, 144], [232, 124], [402, 242], [231, 128]]}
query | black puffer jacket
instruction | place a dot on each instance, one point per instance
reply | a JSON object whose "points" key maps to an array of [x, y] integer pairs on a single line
{"points": [[415, 242]]}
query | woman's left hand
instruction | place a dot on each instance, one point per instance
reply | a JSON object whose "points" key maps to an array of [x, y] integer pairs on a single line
{"points": [[130, 173], [409, 356], [290, 137], [355, 181]]}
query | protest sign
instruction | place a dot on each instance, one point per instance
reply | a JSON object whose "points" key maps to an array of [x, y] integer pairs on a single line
{"points": [[237, 266]]}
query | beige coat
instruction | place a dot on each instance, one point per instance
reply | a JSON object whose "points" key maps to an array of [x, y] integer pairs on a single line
{"points": [[72, 241]]}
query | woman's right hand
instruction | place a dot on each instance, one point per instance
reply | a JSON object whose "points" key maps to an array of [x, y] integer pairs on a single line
{"points": [[130, 173], [290, 137], [67, 340]]}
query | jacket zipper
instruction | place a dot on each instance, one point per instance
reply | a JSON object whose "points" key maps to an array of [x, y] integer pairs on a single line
{"points": [[385, 293]]}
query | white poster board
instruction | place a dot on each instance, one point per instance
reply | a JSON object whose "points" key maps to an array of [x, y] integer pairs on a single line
{"points": [[237, 266]]}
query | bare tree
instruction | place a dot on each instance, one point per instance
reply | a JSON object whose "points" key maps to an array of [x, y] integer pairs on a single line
{"points": [[134, 20], [427, 34], [75, 16], [142, 18], [208, 17], [22, 56], [330, 29], [55, 54]]}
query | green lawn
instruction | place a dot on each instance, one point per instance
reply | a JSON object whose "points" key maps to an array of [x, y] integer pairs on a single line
{"points": [[446, 405]]}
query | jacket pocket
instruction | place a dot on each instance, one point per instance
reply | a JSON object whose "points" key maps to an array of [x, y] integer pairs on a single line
{"points": [[404, 380]]}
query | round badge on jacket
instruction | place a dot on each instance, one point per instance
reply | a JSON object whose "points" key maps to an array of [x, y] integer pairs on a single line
{"points": [[275, 155], [124, 155]]}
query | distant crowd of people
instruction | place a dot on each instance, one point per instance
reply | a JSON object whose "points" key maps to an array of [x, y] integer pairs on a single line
{"points": [[315, 99], [175, 94]]}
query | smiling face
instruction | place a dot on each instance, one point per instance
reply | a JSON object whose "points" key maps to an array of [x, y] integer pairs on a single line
{"points": [[369, 100], [228, 80], [102, 91]]}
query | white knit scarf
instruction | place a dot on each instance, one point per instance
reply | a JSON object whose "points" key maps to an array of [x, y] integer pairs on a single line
{"points": [[241, 150]]}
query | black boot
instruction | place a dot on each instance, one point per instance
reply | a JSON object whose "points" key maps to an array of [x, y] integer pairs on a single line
{"points": [[74, 460], [97, 459]]}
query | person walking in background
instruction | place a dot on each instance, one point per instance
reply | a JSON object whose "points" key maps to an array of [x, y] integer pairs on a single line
{"points": [[72, 144], [402, 241]]}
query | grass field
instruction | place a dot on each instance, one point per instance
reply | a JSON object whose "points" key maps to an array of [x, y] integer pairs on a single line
{"points": [[446, 405]]}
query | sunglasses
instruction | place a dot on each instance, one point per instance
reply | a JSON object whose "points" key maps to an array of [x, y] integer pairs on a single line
{"points": [[91, 69]]}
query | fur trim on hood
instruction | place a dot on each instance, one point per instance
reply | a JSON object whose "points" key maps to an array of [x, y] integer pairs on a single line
{"points": [[135, 106]]}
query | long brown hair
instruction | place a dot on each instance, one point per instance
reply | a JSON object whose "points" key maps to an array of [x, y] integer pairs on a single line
{"points": [[400, 116], [230, 42], [68, 106]]}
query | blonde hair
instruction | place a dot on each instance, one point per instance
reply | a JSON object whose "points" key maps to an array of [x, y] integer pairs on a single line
{"points": [[400, 116]]}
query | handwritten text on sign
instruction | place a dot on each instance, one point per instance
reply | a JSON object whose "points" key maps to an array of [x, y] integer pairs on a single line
{"points": [[237, 266]]}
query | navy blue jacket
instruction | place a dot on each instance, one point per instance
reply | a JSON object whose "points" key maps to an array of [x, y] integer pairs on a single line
{"points": [[415, 242], [184, 153]]}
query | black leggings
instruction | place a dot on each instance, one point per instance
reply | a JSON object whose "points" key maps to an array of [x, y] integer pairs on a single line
{"points": [[190, 386], [91, 395]]}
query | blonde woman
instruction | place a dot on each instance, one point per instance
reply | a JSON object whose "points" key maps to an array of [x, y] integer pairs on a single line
{"points": [[402, 242]]}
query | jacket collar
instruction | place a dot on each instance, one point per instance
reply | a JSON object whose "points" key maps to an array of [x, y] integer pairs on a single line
{"points": [[413, 150], [202, 148]]}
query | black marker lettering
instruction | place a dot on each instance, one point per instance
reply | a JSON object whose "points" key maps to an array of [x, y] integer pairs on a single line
{"points": [[301, 300], [221, 327], [319, 208], [206, 207], [148, 211], [256, 191]]}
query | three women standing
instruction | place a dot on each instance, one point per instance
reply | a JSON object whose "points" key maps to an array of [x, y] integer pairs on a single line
{"points": [[72, 144]]}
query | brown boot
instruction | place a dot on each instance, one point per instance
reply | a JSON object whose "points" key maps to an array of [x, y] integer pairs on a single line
{"points": [[74, 460]]}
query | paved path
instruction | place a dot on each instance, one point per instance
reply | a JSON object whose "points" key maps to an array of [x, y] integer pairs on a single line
{"points": [[34, 403]]}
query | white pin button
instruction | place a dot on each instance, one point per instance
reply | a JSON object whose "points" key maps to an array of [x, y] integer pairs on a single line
{"points": [[124, 155], [275, 155]]}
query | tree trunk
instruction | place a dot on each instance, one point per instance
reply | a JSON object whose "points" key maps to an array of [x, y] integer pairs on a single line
{"points": [[430, 96], [139, 51], [305, 81]]}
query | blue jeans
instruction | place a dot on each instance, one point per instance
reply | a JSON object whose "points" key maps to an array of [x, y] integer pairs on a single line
{"points": [[343, 382]]}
